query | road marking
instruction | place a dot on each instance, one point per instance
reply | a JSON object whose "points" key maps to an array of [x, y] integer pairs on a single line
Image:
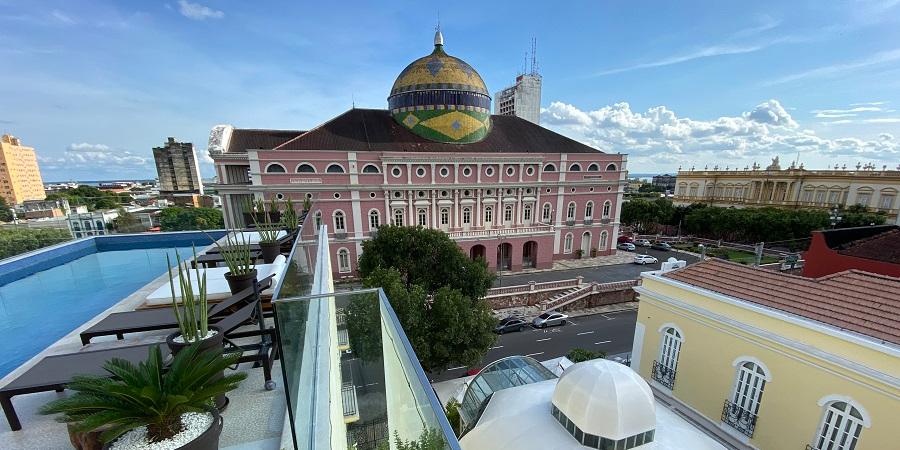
{"points": [[370, 384], [494, 348], [586, 332], [545, 339], [601, 342], [607, 317], [535, 354], [456, 368]]}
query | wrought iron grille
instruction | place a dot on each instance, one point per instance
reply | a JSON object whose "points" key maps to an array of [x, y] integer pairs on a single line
{"points": [[739, 418], [663, 375]]}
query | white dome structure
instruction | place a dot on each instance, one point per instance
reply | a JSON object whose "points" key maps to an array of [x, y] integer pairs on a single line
{"points": [[605, 399]]}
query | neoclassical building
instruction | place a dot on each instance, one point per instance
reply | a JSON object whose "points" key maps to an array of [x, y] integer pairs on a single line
{"points": [[794, 187], [505, 189]]}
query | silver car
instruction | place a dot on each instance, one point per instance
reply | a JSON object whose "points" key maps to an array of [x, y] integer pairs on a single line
{"points": [[549, 319]]}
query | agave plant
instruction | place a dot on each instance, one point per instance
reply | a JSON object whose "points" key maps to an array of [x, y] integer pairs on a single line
{"points": [[192, 318], [289, 218], [147, 394], [236, 253], [265, 226]]}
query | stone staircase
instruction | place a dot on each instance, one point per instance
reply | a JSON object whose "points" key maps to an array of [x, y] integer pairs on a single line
{"points": [[567, 296]]}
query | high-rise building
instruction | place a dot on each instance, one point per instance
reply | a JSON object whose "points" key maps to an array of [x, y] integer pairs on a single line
{"points": [[20, 177], [179, 173], [666, 182], [522, 99]]}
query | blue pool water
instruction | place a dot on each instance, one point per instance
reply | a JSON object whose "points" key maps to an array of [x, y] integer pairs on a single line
{"points": [[41, 308]]}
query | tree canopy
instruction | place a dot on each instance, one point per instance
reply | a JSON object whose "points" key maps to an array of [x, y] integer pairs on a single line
{"points": [[14, 241], [427, 258], [5, 214], [179, 219], [127, 222], [92, 197]]}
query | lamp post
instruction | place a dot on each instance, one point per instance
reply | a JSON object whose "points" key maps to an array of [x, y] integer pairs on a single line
{"points": [[835, 217]]}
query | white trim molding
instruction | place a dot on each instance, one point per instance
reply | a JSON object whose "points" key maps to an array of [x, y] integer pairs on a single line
{"points": [[831, 398], [746, 358], [673, 326]]}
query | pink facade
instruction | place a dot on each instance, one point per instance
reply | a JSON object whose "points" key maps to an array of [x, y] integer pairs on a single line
{"points": [[515, 210]]}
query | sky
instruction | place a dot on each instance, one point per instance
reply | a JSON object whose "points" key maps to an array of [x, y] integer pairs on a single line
{"points": [[93, 86]]}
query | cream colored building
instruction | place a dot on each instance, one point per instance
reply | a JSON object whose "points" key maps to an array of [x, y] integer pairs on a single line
{"points": [[774, 361], [20, 177], [794, 187]]}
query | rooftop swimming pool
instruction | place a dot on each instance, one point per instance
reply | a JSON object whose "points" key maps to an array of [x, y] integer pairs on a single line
{"points": [[47, 294]]}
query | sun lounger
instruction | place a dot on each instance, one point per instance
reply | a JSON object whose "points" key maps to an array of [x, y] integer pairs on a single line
{"points": [[54, 372], [216, 286], [121, 323]]}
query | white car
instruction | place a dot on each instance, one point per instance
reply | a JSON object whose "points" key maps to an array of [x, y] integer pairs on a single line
{"points": [[642, 243], [645, 259], [627, 246], [549, 319]]}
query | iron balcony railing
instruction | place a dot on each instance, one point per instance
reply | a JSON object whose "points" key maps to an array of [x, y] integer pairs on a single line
{"points": [[739, 418], [810, 447], [663, 375]]}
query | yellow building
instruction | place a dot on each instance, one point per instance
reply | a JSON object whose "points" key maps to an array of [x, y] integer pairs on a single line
{"points": [[20, 177], [774, 361], [794, 187]]}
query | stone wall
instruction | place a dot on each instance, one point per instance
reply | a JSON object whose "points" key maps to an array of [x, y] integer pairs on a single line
{"points": [[522, 298], [601, 299]]}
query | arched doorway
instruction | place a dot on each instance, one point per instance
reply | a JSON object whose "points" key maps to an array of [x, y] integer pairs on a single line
{"points": [[477, 251], [529, 255], [504, 256], [586, 243]]}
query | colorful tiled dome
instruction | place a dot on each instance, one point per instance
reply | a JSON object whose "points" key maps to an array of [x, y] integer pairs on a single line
{"points": [[441, 98]]}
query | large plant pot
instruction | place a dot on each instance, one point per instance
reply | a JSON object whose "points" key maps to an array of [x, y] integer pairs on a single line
{"points": [[270, 251], [238, 283], [208, 440], [213, 343]]}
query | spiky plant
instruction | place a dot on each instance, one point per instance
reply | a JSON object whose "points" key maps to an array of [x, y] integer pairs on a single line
{"points": [[289, 218], [192, 318], [147, 394], [262, 218], [236, 253]]}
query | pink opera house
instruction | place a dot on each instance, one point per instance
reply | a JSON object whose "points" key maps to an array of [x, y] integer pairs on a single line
{"points": [[505, 189]]}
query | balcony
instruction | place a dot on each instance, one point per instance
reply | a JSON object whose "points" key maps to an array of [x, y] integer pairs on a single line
{"points": [[502, 232], [738, 418], [570, 222], [588, 221], [663, 375]]}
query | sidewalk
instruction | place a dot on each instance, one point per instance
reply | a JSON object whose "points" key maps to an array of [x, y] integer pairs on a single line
{"points": [[530, 312], [619, 258]]}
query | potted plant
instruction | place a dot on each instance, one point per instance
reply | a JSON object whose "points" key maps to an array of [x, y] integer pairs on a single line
{"points": [[289, 218], [579, 253], [307, 204], [268, 230], [239, 260], [151, 405], [191, 316], [593, 252]]}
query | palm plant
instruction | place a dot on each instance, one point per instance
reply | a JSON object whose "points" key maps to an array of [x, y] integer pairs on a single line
{"points": [[147, 394], [192, 318], [236, 253]]}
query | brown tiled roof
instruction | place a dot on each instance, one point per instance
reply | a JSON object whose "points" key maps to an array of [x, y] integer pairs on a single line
{"points": [[375, 130], [881, 247], [858, 301], [247, 138]]}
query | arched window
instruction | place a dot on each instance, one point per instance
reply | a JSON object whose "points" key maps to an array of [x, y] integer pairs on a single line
{"points": [[545, 213], [589, 210], [841, 426], [343, 257], [604, 240], [593, 168], [567, 243], [549, 168], [371, 168], [467, 215], [422, 217], [275, 168], [526, 212], [335, 168], [575, 168], [318, 220], [607, 206], [445, 217], [305, 168], [374, 220], [664, 369], [611, 168], [398, 217], [508, 213], [570, 211], [339, 222], [488, 214], [745, 400]]}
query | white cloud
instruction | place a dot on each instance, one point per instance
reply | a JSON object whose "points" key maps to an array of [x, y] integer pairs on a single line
{"points": [[869, 103], [98, 157], [197, 11], [658, 138], [706, 52], [63, 17], [836, 69]]}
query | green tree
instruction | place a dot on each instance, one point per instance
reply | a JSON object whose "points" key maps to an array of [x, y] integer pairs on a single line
{"points": [[649, 187], [425, 257], [5, 214], [92, 197], [860, 216], [14, 241], [179, 219], [127, 222], [577, 355]]}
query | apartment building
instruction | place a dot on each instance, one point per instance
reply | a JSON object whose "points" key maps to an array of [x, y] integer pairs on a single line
{"points": [[20, 176]]}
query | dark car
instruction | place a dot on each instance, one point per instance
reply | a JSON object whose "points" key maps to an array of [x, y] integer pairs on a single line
{"points": [[661, 246], [511, 323]]}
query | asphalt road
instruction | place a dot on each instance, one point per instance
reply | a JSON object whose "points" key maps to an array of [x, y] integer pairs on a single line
{"points": [[601, 274], [609, 332]]}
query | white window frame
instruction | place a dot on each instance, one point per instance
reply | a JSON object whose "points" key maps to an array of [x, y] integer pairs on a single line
{"points": [[589, 210], [840, 420], [374, 219], [604, 240], [297, 169], [335, 217], [575, 167], [670, 341], [546, 213], [607, 209], [377, 169], [445, 217], [568, 240], [343, 260], [328, 169], [750, 381], [488, 214], [507, 214], [422, 217], [274, 164], [614, 168], [526, 212], [398, 216], [571, 210], [549, 167], [467, 215]]}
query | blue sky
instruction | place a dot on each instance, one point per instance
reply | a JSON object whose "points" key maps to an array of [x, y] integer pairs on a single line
{"points": [[94, 85]]}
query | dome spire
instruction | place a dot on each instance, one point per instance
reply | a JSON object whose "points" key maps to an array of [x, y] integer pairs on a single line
{"points": [[438, 37]]}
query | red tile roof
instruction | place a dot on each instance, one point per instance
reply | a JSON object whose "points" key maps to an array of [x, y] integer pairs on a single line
{"points": [[881, 247], [853, 300]]}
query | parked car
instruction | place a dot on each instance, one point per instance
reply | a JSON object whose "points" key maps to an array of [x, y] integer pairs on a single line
{"points": [[645, 259], [549, 319], [511, 323], [627, 246], [624, 238], [661, 246], [642, 243]]}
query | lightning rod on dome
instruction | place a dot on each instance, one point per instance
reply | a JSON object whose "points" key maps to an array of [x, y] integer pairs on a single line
{"points": [[438, 37]]}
